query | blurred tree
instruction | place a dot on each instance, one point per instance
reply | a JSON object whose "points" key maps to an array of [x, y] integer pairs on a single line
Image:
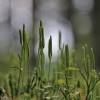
{"points": [[96, 33]]}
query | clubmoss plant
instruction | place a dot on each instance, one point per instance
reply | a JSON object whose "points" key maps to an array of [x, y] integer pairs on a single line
{"points": [[68, 82], [90, 76], [41, 58]]}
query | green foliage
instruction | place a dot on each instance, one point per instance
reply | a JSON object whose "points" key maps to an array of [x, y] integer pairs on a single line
{"points": [[67, 82]]}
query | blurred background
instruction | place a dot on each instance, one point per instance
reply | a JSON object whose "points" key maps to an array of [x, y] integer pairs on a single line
{"points": [[78, 21]]}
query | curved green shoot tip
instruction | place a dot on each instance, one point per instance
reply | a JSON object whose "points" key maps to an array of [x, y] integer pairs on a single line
{"points": [[67, 55], [50, 47], [85, 45], [41, 36], [93, 59], [40, 23], [20, 34], [92, 51], [24, 33], [23, 26], [59, 40]]}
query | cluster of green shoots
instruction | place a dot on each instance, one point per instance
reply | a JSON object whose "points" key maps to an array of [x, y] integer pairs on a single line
{"points": [[64, 80]]}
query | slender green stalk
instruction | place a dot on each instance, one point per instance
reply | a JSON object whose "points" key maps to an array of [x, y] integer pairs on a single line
{"points": [[49, 53], [11, 85], [67, 56], [60, 37], [93, 59]]}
